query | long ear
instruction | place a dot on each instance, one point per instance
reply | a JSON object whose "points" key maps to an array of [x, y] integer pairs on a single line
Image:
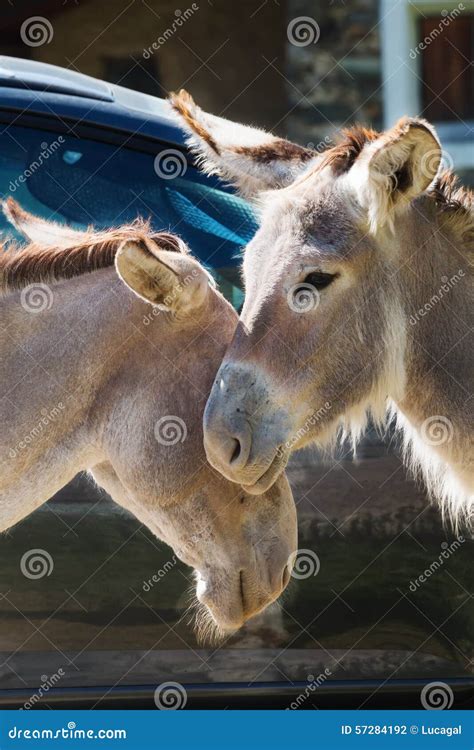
{"points": [[162, 273], [34, 229], [250, 159], [395, 168]]}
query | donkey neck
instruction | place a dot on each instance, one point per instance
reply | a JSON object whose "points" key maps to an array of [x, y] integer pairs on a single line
{"points": [[434, 286], [54, 371], [64, 370], [54, 362]]}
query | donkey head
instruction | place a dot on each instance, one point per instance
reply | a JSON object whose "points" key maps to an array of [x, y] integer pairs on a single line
{"points": [[320, 338], [241, 547]]}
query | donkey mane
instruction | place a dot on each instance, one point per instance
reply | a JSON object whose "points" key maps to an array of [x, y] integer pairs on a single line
{"points": [[342, 156], [36, 262]]}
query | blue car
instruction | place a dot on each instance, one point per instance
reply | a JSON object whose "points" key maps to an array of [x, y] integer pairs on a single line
{"points": [[82, 151], [359, 630]]}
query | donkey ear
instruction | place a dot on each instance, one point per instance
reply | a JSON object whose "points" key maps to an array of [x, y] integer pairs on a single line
{"points": [[250, 159], [34, 229], [161, 272], [395, 168]]}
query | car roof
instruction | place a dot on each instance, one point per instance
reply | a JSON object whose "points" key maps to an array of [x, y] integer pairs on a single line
{"points": [[37, 88]]}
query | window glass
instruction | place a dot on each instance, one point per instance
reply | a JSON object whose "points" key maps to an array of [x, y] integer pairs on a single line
{"points": [[84, 182], [381, 590]]}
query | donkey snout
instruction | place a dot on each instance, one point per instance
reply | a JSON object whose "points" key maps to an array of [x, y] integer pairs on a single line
{"points": [[232, 599], [228, 415], [262, 587], [239, 440], [228, 446]]}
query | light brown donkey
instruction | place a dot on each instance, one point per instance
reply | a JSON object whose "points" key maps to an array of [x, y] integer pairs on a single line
{"points": [[359, 302], [110, 343]]}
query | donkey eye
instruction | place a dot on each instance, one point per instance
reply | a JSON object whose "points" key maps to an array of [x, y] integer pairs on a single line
{"points": [[319, 280]]}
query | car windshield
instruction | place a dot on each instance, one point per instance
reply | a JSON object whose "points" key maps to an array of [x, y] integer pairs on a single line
{"points": [[380, 589]]}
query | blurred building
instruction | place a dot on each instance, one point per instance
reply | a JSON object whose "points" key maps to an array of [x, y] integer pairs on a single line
{"points": [[301, 67], [373, 61]]}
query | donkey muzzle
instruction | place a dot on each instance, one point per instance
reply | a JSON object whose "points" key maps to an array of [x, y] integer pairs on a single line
{"points": [[242, 434]]}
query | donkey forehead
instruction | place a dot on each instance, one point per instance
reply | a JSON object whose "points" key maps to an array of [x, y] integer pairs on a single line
{"points": [[312, 216]]}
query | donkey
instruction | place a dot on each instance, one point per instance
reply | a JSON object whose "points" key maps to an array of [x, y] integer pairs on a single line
{"points": [[110, 343], [358, 302]]}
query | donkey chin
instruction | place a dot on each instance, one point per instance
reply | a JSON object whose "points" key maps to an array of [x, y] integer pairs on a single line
{"points": [[225, 601]]}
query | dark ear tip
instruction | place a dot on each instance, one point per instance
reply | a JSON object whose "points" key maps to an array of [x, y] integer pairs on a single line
{"points": [[181, 100], [13, 211], [169, 242], [10, 204]]}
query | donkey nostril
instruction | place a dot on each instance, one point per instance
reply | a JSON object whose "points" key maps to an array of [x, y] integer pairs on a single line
{"points": [[285, 577], [236, 452]]}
